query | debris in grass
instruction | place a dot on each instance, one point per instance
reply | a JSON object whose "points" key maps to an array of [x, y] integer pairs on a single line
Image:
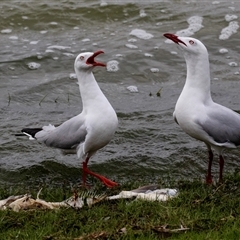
{"points": [[89, 198], [5, 202], [150, 193], [165, 229]]}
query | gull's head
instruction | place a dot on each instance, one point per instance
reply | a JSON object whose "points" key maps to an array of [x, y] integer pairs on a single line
{"points": [[85, 61], [190, 46]]}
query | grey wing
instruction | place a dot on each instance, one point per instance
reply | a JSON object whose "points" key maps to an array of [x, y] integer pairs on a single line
{"points": [[66, 136], [223, 125]]}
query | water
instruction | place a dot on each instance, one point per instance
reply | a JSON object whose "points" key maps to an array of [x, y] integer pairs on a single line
{"points": [[39, 42]]}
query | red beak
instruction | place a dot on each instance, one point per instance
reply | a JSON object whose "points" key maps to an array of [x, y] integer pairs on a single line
{"points": [[174, 38], [92, 61]]}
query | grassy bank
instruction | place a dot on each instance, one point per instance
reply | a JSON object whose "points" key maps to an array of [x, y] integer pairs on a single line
{"points": [[210, 212]]}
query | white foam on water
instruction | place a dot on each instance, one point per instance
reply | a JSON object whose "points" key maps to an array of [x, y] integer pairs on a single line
{"points": [[236, 73], [53, 23], [215, 2], [131, 40], [8, 30], [43, 32], [59, 47], [148, 55], [228, 31], [13, 37], [233, 64], [140, 33], [232, 8], [24, 17], [86, 40], [223, 50], [33, 65], [132, 88], [34, 42], [230, 17], [49, 51], [119, 55], [154, 70], [195, 24], [128, 45], [73, 76], [103, 3], [173, 52], [39, 56], [112, 66], [68, 54], [11, 68], [142, 13]]}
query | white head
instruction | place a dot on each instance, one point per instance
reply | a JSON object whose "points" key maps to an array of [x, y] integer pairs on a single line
{"points": [[191, 46], [85, 61], [196, 57]]}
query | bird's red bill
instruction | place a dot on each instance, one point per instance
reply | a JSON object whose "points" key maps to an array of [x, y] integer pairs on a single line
{"points": [[174, 38], [91, 60]]}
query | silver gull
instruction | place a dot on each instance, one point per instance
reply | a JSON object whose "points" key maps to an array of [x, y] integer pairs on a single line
{"points": [[89, 131], [195, 111]]}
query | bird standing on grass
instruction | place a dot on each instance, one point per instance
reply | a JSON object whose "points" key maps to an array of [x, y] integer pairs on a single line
{"points": [[195, 111], [89, 131]]}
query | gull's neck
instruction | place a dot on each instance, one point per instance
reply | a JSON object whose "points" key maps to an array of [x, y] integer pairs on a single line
{"points": [[198, 77], [90, 92]]}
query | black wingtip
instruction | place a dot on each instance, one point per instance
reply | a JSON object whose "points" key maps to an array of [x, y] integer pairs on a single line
{"points": [[31, 131]]}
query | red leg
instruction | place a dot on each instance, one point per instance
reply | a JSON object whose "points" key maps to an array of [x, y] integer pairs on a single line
{"points": [[221, 165], [86, 171], [84, 174], [209, 171], [106, 181]]}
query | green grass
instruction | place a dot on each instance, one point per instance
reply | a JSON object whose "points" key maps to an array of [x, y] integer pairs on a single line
{"points": [[210, 212]]}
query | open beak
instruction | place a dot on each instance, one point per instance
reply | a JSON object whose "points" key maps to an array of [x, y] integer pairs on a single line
{"points": [[174, 38], [92, 61]]}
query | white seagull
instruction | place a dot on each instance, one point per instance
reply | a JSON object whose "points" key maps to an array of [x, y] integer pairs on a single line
{"points": [[89, 131], [195, 111]]}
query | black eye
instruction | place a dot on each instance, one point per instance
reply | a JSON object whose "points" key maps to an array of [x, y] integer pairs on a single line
{"points": [[191, 42], [81, 57]]}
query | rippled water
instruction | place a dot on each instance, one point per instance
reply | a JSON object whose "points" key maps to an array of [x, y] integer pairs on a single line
{"points": [[39, 42]]}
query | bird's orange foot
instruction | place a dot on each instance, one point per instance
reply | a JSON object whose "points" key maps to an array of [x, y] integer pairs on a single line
{"points": [[104, 180], [107, 182]]}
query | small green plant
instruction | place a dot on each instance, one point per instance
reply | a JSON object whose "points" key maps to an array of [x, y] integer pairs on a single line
{"points": [[159, 92], [42, 100], [9, 99]]}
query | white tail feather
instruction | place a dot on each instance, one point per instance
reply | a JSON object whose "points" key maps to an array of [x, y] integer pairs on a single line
{"points": [[48, 128], [30, 136]]}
